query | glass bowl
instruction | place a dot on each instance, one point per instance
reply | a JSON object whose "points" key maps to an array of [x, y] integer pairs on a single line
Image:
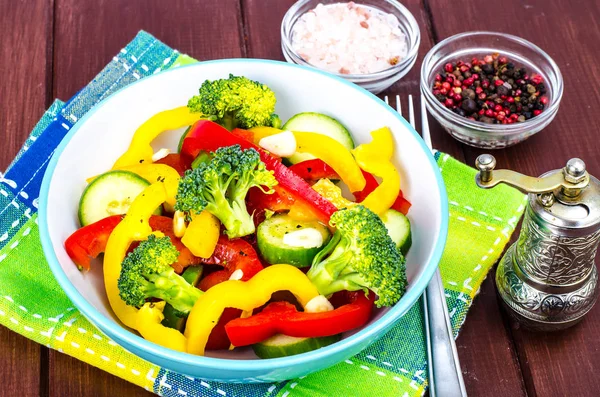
{"points": [[465, 46], [374, 82]]}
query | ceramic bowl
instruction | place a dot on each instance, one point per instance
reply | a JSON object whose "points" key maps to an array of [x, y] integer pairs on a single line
{"points": [[97, 140], [465, 46], [374, 82]]}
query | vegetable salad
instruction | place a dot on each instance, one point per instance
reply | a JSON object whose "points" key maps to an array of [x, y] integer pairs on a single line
{"points": [[243, 237]]}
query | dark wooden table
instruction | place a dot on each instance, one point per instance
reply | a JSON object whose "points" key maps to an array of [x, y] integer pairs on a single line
{"points": [[51, 48]]}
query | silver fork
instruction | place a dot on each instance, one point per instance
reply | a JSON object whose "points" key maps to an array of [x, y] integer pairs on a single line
{"points": [[445, 376]]}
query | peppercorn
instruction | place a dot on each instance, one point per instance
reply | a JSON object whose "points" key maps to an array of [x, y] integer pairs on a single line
{"points": [[502, 90], [490, 89], [542, 88], [469, 105], [468, 93]]}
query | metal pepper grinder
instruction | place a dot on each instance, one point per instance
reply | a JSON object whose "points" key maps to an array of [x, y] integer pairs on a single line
{"points": [[548, 279]]}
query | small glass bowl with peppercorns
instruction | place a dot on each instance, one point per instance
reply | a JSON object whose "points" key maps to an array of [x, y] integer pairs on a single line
{"points": [[490, 90]]}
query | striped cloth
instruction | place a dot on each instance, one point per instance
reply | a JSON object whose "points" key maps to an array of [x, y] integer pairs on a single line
{"points": [[33, 304]]}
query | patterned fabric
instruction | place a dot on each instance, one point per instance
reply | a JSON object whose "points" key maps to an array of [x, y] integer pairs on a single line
{"points": [[33, 304]]}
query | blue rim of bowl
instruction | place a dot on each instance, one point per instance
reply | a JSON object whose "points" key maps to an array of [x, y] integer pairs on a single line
{"points": [[256, 365]]}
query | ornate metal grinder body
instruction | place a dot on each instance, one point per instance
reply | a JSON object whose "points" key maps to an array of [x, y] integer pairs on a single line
{"points": [[548, 279]]}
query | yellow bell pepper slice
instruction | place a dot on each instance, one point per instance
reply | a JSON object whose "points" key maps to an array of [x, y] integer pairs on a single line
{"points": [[333, 193], [327, 189], [158, 173], [245, 296], [135, 227], [202, 234], [149, 325], [261, 132], [380, 148], [333, 154], [375, 158], [300, 211], [139, 150]]}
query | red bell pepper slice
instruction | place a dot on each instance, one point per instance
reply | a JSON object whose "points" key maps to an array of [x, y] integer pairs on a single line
{"points": [[283, 318], [218, 339], [209, 136], [90, 241], [280, 200], [314, 169], [401, 204], [244, 134], [233, 255], [174, 160], [370, 185]]}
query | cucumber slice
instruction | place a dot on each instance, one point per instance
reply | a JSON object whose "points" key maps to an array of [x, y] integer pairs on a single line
{"points": [[180, 144], [319, 123], [398, 227], [110, 194], [283, 345], [173, 318], [270, 240]]}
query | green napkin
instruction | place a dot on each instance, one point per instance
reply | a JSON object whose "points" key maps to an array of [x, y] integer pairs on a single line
{"points": [[33, 304]]}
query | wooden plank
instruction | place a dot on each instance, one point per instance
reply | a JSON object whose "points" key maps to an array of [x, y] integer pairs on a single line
{"points": [[561, 363], [488, 358], [25, 38], [88, 34], [19, 364], [483, 331], [25, 45], [71, 377]]}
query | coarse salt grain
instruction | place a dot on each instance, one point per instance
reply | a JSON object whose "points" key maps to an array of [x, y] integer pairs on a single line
{"points": [[347, 38]]}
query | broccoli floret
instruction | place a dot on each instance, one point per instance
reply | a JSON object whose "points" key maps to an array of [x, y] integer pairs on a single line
{"points": [[220, 187], [236, 102], [146, 273], [360, 256]]}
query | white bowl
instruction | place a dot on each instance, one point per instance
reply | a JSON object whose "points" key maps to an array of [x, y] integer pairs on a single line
{"points": [[97, 140]]}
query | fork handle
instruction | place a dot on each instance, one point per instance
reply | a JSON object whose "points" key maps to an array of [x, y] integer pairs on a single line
{"points": [[445, 376]]}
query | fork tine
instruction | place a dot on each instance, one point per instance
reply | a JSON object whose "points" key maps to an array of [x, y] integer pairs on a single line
{"points": [[398, 105], [425, 125], [387, 101], [411, 112]]}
